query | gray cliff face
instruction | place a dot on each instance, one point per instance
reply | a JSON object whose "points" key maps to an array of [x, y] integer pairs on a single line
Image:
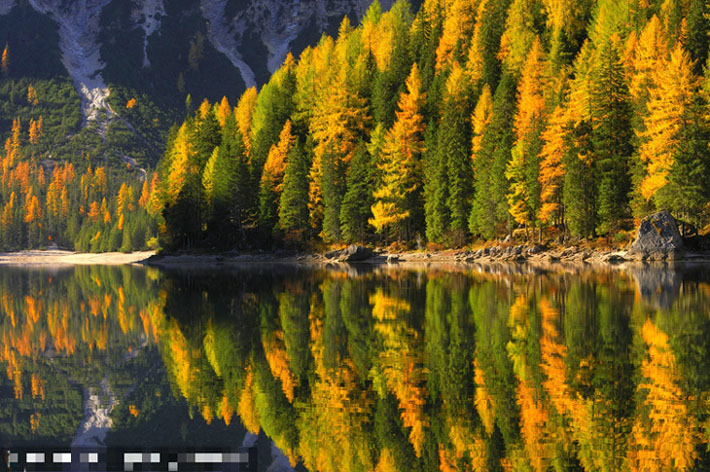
{"points": [[254, 35], [277, 22]]}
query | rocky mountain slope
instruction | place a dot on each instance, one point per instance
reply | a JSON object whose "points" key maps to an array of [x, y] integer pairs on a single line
{"points": [[173, 43]]}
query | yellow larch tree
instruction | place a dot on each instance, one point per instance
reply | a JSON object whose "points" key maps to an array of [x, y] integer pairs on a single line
{"points": [[5, 61], [35, 130], [8, 213], [480, 119], [457, 29], [181, 163], [243, 113], [33, 210], [649, 51], [401, 161], [154, 206], [32, 97], [100, 184], [12, 147], [145, 194], [675, 86], [94, 212], [223, 111], [276, 161], [522, 169], [552, 168], [203, 110], [106, 215], [124, 203]]}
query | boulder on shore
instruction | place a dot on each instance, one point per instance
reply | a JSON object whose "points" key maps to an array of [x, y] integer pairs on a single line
{"points": [[353, 253], [657, 238]]}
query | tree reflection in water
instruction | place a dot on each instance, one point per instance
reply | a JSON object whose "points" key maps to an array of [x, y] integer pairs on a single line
{"points": [[384, 369]]}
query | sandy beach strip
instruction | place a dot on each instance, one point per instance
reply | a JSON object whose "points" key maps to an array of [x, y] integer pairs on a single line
{"points": [[59, 257]]}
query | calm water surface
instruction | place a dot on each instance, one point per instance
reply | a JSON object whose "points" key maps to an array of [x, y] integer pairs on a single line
{"points": [[505, 368]]}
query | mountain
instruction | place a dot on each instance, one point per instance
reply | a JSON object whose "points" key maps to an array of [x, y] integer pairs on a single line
{"points": [[154, 51]]}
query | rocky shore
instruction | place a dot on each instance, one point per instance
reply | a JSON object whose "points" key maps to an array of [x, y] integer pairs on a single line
{"points": [[657, 239]]}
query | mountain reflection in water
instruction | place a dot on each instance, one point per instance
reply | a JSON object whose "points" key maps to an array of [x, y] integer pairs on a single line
{"points": [[461, 368]]}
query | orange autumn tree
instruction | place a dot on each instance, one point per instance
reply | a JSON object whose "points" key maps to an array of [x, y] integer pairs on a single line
{"points": [[552, 168], [223, 111], [5, 61], [273, 176], [400, 164], [523, 168], [35, 130], [244, 113], [32, 97], [458, 26], [480, 119], [676, 164]]}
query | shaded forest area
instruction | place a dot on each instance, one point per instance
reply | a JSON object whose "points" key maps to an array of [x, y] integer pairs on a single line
{"points": [[466, 120]]}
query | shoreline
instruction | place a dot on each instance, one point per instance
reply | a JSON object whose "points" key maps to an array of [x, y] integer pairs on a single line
{"points": [[508, 254], [493, 255]]}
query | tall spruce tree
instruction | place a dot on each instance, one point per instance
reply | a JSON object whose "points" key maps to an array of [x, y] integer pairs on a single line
{"points": [[293, 205], [449, 172], [355, 209], [611, 137], [489, 213]]}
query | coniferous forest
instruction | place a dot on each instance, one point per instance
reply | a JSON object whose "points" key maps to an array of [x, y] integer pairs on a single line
{"points": [[462, 121]]}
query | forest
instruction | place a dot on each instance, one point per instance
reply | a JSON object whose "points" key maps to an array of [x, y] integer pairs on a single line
{"points": [[465, 121], [459, 123]]}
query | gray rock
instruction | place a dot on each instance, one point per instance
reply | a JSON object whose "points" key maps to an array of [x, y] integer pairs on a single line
{"points": [[353, 253], [392, 259], [535, 249], [658, 237]]}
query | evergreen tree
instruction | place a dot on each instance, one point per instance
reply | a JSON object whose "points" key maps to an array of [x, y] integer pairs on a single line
{"points": [[611, 137], [293, 206], [579, 190], [490, 206], [355, 209], [450, 178], [207, 135]]}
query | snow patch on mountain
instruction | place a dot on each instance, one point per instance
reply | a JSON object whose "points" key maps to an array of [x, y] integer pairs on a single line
{"points": [[221, 35], [148, 15], [6, 6], [78, 40]]}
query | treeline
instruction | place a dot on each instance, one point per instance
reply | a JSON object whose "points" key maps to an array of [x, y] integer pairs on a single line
{"points": [[466, 120], [46, 202]]}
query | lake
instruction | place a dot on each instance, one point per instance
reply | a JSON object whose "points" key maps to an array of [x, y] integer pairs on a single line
{"points": [[500, 367]]}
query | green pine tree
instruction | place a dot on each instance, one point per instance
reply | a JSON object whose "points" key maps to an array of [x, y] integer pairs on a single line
{"points": [[355, 209]]}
